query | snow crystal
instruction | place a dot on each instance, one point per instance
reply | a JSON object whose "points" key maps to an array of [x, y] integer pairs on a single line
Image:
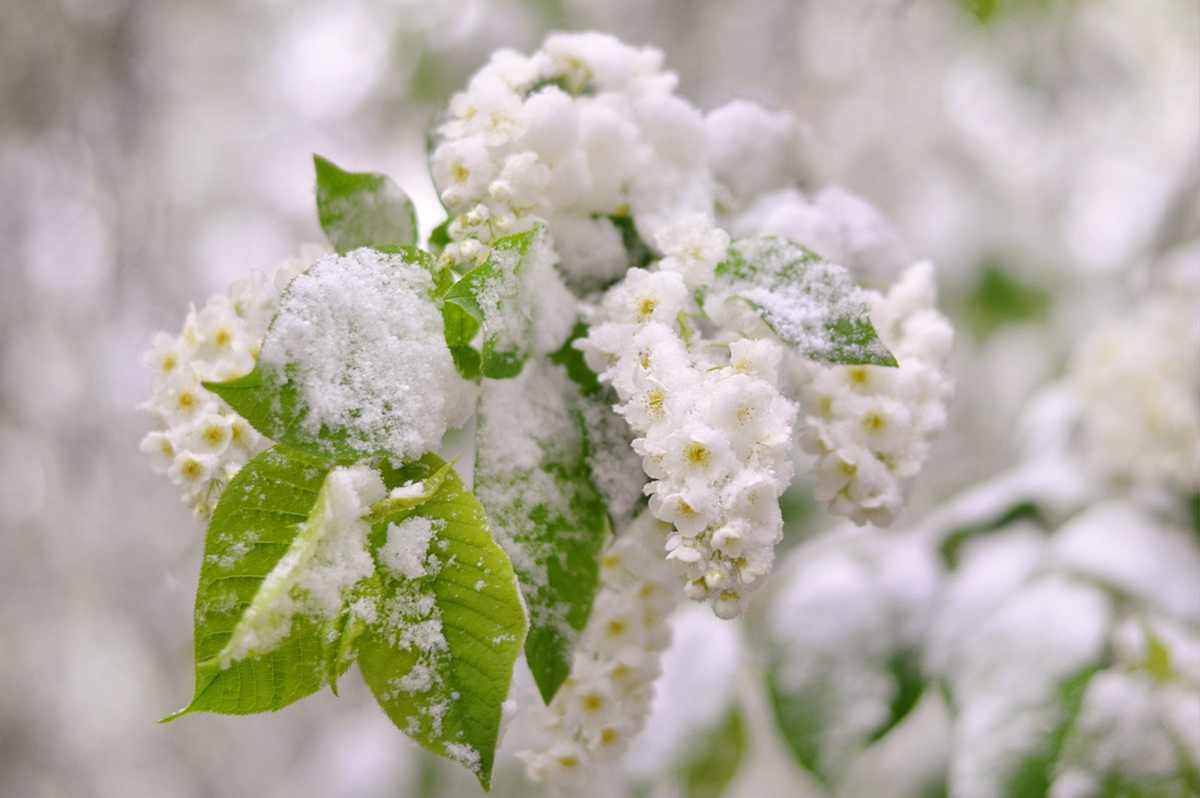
{"points": [[465, 755], [327, 557], [362, 343], [407, 545]]}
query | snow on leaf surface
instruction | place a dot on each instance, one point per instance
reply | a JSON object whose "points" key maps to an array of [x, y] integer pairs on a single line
{"points": [[533, 478], [284, 552], [497, 293], [1018, 686], [355, 362], [439, 655], [362, 209], [810, 303], [843, 640]]}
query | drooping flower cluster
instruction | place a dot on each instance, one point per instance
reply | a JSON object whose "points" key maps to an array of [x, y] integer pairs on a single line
{"points": [[871, 427], [1139, 379], [606, 699], [200, 442], [715, 435], [584, 129]]}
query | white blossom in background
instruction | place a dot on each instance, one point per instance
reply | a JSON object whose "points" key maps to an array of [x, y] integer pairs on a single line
{"points": [[871, 427], [1138, 378], [607, 697], [200, 442]]}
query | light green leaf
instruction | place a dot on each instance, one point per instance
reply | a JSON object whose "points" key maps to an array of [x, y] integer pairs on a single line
{"points": [[362, 209], [374, 408], [811, 304], [439, 655], [533, 478], [714, 760], [251, 654], [497, 294]]}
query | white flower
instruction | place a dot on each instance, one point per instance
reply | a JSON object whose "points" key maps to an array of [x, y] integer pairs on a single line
{"points": [[694, 247]]}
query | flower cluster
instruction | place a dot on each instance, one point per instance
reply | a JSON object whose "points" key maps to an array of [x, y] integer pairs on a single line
{"points": [[715, 435], [871, 427], [606, 699], [584, 129], [200, 442], [1139, 379]]}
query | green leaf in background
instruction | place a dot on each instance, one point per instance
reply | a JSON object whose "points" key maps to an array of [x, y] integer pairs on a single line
{"points": [[267, 513], [532, 477], [496, 295], [714, 760], [999, 299], [362, 209], [811, 304], [439, 655], [407, 285]]}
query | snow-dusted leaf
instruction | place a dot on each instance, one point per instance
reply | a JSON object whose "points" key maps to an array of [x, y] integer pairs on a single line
{"points": [[842, 645], [498, 294], [810, 303], [1120, 742], [355, 363], [284, 552], [1017, 683], [532, 477], [362, 209], [440, 650]]}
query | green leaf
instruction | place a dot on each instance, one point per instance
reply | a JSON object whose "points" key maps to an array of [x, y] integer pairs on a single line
{"points": [[272, 399], [714, 760], [439, 237], [439, 656], [461, 329], [811, 304], [497, 295], [532, 476], [999, 299], [266, 524], [362, 209]]}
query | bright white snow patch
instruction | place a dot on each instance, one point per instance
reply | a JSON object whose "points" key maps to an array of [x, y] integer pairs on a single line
{"points": [[364, 345]]}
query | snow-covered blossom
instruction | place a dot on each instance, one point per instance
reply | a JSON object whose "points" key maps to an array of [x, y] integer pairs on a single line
{"points": [[200, 442], [1139, 380], [584, 129], [607, 697], [715, 434], [871, 427]]}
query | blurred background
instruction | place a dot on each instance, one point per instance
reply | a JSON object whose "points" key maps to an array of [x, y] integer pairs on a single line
{"points": [[1044, 153]]}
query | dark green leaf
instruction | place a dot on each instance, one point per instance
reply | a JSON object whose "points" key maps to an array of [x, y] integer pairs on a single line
{"points": [[532, 476], [439, 657], [362, 209], [811, 304]]}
